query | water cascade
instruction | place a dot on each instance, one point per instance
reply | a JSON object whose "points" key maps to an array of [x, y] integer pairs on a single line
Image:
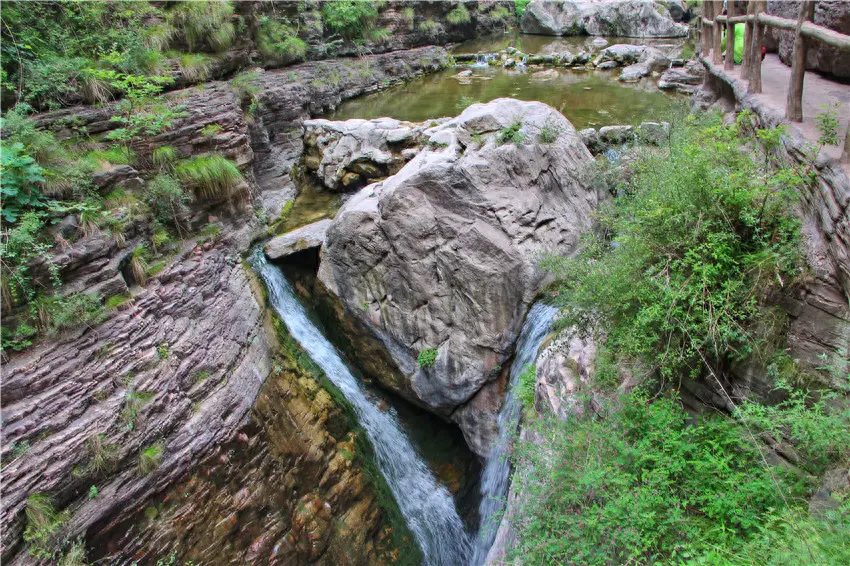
{"points": [[495, 479], [483, 59], [426, 505]]}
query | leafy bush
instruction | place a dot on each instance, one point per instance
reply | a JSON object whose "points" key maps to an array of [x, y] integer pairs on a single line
{"points": [[278, 41], [427, 357], [702, 235], [61, 314], [526, 386], [150, 458], [458, 15], [409, 16], [44, 525], [349, 18], [428, 26], [212, 176], [642, 485], [22, 177], [519, 7]]}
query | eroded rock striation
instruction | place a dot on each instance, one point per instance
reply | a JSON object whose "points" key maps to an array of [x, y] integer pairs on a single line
{"points": [[442, 255], [622, 18]]}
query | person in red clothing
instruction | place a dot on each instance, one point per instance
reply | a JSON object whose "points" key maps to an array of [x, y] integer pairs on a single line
{"points": [[763, 52]]}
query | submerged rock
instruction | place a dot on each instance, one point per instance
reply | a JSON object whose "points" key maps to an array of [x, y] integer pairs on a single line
{"points": [[684, 79], [622, 18], [443, 253]]}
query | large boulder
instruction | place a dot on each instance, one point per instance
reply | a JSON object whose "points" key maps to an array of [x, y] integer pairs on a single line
{"points": [[347, 155], [621, 18], [442, 255], [832, 14]]}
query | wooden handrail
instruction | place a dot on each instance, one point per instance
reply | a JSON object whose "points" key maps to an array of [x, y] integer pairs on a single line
{"points": [[809, 29]]}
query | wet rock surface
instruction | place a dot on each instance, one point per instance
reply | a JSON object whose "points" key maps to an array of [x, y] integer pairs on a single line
{"points": [[289, 488], [441, 255], [626, 18]]}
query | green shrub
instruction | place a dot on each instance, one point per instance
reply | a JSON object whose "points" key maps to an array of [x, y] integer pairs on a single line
{"points": [[644, 486], [102, 454], [211, 176], [500, 13], [164, 157], [150, 458], [458, 15], [114, 155], [278, 41], [380, 35], [22, 177], [526, 386], [203, 25], [519, 7], [349, 18], [428, 26], [133, 402], [195, 67], [703, 234], [44, 525], [211, 130], [427, 357], [76, 553], [512, 134], [409, 16], [61, 314], [549, 132]]}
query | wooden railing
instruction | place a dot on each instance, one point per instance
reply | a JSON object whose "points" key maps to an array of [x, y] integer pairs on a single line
{"points": [[710, 29]]}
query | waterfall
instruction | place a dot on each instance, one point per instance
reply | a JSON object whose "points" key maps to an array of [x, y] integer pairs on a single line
{"points": [[483, 59], [426, 505], [495, 478]]}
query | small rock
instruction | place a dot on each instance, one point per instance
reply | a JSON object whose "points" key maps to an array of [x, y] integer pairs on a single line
{"points": [[634, 72], [615, 135], [607, 65]]}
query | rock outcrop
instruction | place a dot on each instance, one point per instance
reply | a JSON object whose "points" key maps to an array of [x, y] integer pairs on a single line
{"points": [[297, 464], [441, 256], [180, 365], [308, 237], [682, 79], [832, 14], [621, 18], [348, 155]]}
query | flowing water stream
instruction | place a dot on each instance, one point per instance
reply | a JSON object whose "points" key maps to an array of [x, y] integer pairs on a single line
{"points": [[495, 479], [427, 506]]}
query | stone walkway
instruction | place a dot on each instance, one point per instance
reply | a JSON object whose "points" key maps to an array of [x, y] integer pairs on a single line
{"points": [[818, 91]]}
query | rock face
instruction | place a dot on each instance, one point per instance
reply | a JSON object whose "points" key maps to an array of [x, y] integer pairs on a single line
{"points": [[626, 18], [683, 79], [307, 237], [296, 464], [832, 14], [441, 255], [348, 155], [134, 380]]}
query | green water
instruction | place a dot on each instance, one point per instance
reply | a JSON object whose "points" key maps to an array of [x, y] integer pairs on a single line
{"points": [[586, 98], [548, 45]]}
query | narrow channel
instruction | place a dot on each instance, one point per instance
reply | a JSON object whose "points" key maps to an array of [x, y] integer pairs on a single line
{"points": [[495, 479], [427, 506]]}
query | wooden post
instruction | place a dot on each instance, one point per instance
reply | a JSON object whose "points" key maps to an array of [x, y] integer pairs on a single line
{"points": [[706, 31], [729, 65], [718, 32], [794, 104], [748, 38], [754, 85]]}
